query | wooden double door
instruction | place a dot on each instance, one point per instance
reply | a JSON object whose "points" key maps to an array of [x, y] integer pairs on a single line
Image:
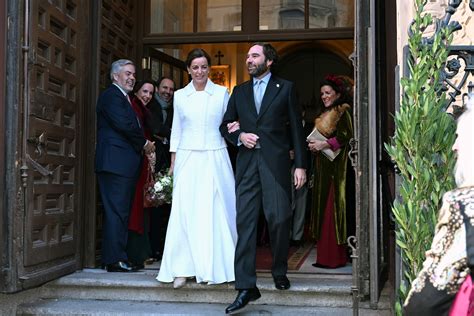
{"points": [[64, 49], [52, 213], [51, 116]]}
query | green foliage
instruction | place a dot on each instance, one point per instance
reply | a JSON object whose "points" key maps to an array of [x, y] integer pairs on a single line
{"points": [[421, 148]]}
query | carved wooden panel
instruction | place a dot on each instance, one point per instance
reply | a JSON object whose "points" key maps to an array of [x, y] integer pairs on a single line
{"points": [[51, 231], [118, 28], [117, 40]]}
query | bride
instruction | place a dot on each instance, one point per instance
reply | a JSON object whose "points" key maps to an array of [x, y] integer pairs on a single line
{"points": [[201, 236]]}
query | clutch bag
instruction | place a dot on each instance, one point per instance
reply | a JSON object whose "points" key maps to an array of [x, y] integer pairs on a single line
{"points": [[328, 152]]}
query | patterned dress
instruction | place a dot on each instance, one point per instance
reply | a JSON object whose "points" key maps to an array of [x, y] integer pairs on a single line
{"points": [[445, 267]]}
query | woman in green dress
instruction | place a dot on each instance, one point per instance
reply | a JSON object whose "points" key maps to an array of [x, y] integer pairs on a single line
{"points": [[329, 144]]}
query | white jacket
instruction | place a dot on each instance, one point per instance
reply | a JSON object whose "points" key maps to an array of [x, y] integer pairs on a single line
{"points": [[197, 117]]}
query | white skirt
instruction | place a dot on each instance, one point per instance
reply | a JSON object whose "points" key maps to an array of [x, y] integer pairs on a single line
{"points": [[201, 236]]}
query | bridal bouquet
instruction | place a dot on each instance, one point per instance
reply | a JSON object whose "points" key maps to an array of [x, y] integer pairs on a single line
{"points": [[163, 188], [158, 189]]}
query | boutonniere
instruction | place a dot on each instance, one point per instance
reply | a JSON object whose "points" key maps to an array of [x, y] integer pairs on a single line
{"points": [[278, 85]]}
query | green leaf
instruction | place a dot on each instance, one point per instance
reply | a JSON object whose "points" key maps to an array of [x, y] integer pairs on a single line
{"points": [[421, 148]]}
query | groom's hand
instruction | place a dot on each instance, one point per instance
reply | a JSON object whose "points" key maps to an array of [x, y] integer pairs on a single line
{"points": [[249, 140], [299, 178]]}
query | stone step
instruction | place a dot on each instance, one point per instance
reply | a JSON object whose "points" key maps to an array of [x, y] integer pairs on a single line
{"points": [[118, 308], [307, 290], [94, 284]]}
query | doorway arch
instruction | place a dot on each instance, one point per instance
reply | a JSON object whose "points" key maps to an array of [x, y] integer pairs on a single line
{"points": [[306, 66]]}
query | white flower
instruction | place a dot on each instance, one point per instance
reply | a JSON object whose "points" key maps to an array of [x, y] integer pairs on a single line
{"points": [[166, 181], [158, 186]]}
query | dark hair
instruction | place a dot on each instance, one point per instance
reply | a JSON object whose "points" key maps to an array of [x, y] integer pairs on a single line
{"points": [[340, 85], [197, 53], [139, 84], [269, 52], [333, 82], [158, 82]]}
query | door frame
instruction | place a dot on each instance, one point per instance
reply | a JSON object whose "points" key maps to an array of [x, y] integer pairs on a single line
{"points": [[151, 54], [11, 204], [365, 151], [90, 188], [365, 167], [367, 186], [3, 28]]}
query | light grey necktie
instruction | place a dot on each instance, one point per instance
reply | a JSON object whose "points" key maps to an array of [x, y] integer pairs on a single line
{"points": [[258, 94]]}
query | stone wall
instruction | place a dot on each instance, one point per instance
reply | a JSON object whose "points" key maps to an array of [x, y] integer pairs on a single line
{"points": [[464, 15]]}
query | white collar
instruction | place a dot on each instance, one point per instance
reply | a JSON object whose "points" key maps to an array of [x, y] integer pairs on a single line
{"points": [[209, 88], [123, 91], [264, 79]]}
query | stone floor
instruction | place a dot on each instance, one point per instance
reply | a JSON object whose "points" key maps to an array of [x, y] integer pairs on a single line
{"points": [[306, 267]]}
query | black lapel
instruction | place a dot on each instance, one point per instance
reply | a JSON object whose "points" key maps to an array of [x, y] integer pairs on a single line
{"points": [[273, 88], [248, 91]]}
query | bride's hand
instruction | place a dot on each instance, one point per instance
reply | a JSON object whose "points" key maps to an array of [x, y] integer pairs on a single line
{"points": [[232, 127]]}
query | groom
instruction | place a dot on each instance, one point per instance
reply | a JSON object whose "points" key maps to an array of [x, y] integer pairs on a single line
{"points": [[270, 122]]}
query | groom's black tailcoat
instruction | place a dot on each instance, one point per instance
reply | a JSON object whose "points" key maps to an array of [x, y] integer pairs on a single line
{"points": [[263, 175]]}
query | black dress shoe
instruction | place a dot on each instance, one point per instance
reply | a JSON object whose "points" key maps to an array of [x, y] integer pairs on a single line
{"points": [[119, 266], [281, 282], [137, 266], [243, 298]]}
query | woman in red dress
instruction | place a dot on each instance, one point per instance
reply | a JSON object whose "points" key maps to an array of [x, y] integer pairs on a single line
{"points": [[138, 245]]}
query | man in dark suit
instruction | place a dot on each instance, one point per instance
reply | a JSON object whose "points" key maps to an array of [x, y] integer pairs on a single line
{"points": [[119, 148], [270, 123], [160, 119], [159, 123]]}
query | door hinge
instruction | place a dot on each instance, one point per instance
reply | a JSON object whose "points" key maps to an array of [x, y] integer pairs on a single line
{"points": [[354, 151]]}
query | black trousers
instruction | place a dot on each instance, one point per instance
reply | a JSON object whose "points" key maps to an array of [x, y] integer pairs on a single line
{"points": [[258, 187], [159, 217], [117, 194]]}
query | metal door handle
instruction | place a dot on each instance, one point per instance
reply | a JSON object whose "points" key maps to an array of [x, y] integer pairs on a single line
{"points": [[40, 142]]}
